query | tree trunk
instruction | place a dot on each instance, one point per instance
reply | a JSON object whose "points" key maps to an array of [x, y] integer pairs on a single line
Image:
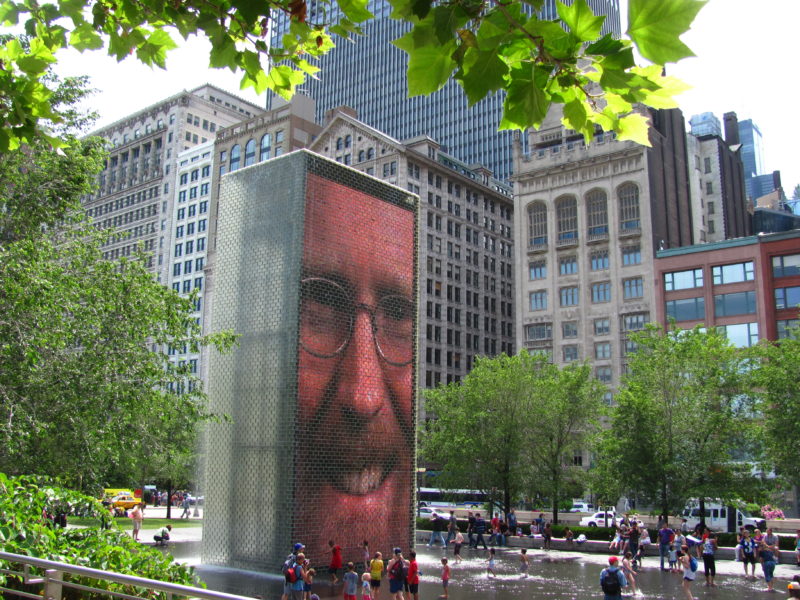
{"points": [[703, 512], [555, 499], [169, 498], [664, 503]]}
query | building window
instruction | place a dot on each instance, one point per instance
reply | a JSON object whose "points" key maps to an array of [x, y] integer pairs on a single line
{"points": [[236, 153], [710, 207], [266, 143], [786, 327], [633, 288], [539, 331], [599, 260], [597, 212], [569, 353], [785, 297], [567, 218], [732, 273], [569, 329], [568, 265], [683, 280], [601, 292], [628, 197], [537, 224], [741, 335], [603, 374], [179, 231], [688, 309], [709, 187], [192, 210], [739, 303], [538, 300], [707, 164], [631, 255], [250, 153], [602, 350], [537, 270], [569, 296], [786, 266], [635, 322], [602, 326]]}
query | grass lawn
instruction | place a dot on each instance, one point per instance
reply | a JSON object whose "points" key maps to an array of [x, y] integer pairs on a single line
{"points": [[125, 523]]}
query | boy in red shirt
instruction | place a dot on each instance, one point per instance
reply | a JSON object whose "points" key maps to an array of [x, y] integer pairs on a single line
{"points": [[336, 562]]}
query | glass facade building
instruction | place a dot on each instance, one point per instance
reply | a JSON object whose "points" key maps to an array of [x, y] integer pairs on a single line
{"points": [[370, 76]]}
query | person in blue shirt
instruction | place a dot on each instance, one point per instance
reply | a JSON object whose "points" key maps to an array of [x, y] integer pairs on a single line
{"points": [[612, 580], [298, 588]]}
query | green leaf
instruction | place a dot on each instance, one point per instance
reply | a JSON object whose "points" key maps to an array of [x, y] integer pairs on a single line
{"points": [[634, 127], [526, 103], [575, 117], [223, 53], [355, 10], [85, 37], [580, 19], [481, 73], [656, 27], [429, 65], [283, 80], [607, 44]]}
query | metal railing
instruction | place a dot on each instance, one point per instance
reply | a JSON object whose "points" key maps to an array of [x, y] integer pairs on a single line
{"points": [[53, 581]]}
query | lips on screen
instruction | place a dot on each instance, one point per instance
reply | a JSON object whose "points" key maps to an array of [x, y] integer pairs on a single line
{"points": [[355, 400]]}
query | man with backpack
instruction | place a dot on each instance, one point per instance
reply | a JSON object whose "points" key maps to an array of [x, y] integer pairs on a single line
{"points": [[397, 575], [288, 572], [612, 580]]}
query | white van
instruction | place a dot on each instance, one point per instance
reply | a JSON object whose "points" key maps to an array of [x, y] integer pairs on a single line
{"points": [[722, 518]]}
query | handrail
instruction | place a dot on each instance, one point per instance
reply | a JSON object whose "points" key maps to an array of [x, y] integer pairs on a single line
{"points": [[141, 582]]}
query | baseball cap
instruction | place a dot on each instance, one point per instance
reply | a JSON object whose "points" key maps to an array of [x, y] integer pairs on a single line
{"points": [[397, 550], [612, 560], [298, 546]]}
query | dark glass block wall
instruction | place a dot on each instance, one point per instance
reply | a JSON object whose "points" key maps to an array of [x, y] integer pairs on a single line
{"points": [[316, 268]]}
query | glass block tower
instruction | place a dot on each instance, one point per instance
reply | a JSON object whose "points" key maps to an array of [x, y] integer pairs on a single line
{"points": [[370, 76]]}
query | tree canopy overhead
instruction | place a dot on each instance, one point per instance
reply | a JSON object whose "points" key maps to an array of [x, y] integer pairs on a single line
{"points": [[486, 45]]}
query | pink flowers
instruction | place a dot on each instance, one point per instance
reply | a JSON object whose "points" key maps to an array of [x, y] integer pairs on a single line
{"points": [[768, 512]]}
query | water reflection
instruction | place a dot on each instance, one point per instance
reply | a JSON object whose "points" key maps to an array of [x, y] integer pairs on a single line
{"points": [[552, 575]]}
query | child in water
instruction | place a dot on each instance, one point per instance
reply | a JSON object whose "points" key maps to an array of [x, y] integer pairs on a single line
{"points": [[524, 562], [445, 578], [491, 564], [366, 588], [627, 570], [673, 559]]}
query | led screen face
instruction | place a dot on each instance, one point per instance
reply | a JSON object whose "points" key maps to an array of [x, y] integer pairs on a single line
{"points": [[355, 401]]}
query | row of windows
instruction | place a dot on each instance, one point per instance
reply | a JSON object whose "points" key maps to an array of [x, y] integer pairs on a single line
{"points": [[190, 247], [193, 192], [192, 210], [265, 150], [600, 293], [198, 264], [601, 326], [201, 226], [725, 305], [186, 285], [195, 174], [596, 204], [598, 261], [722, 274]]}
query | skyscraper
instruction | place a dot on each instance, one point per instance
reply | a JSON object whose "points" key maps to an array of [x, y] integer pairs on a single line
{"points": [[370, 76]]}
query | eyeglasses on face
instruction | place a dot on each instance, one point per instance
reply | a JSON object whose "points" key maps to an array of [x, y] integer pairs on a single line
{"points": [[328, 316]]}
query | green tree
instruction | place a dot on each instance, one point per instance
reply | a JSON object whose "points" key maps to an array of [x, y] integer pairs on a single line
{"points": [[511, 426], [84, 385], [778, 392], [487, 46], [681, 415], [24, 501], [796, 192]]}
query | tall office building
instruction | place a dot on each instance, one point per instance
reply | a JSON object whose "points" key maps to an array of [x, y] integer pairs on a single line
{"points": [[136, 189], [757, 180], [370, 76], [466, 243]]}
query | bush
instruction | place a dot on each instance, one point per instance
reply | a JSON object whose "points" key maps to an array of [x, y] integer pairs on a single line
{"points": [[27, 507]]}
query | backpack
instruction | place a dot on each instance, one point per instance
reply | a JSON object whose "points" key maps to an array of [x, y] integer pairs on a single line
{"points": [[610, 583], [397, 570], [288, 570], [692, 564]]}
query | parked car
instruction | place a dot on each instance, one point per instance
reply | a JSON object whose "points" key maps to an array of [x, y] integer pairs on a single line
{"points": [[598, 519], [581, 507], [426, 512], [124, 501]]}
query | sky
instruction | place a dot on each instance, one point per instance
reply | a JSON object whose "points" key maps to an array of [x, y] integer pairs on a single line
{"points": [[745, 53]]}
